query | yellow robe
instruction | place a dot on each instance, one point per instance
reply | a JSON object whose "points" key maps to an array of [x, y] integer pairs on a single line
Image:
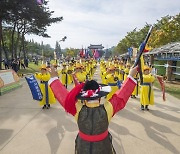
{"points": [[137, 88], [63, 76], [81, 76], [110, 80], [121, 72], [70, 71], [104, 74], [126, 71], [45, 77], [147, 95]]}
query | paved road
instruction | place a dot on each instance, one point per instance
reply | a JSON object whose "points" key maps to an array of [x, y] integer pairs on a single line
{"points": [[27, 129]]}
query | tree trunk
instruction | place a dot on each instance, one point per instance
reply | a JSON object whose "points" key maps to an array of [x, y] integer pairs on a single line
{"points": [[23, 46], [23, 40], [0, 44], [17, 44], [12, 42]]}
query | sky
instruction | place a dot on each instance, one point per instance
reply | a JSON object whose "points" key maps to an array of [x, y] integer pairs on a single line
{"points": [[103, 22]]}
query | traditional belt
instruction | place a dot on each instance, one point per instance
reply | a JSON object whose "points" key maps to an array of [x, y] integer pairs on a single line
{"points": [[112, 84], [118, 84], [93, 138], [44, 82], [145, 84]]}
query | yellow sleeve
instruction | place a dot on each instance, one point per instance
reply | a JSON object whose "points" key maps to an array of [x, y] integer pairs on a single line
{"points": [[109, 109], [148, 78], [152, 78], [45, 77], [79, 105], [38, 76]]}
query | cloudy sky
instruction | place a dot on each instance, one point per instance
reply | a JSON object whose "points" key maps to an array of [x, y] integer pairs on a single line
{"points": [[103, 22]]}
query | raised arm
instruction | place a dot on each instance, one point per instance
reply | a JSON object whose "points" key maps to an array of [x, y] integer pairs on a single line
{"points": [[120, 98], [60, 92]]}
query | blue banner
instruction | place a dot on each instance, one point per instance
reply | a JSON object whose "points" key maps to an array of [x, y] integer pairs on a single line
{"points": [[34, 87]]}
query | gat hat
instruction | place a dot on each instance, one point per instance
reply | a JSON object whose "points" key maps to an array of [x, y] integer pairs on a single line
{"points": [[78, 65], [55, 65], [111, 68], [64, 64], [92, 90], [146, 67], [43, 66]]}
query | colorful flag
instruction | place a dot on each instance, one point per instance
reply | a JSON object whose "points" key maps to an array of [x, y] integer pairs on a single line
{"points": [[81, 53], [34, 87], [147, 48], [40, 2]]}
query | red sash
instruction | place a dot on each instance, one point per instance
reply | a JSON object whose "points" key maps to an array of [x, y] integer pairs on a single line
{"points": [[93, 138]]}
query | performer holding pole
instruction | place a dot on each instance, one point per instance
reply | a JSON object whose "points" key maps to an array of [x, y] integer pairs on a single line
{"points": [[147, 92], [48, 96]]}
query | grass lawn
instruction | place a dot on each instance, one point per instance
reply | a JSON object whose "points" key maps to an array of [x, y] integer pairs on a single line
{"points": [[172, 88], [32, 68]]}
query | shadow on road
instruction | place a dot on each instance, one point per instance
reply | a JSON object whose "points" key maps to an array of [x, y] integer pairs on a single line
{"points": [[64, 123], [154, 131]]}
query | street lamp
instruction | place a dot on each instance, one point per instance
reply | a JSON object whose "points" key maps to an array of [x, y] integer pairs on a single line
{"points": [[55, 53], [63, 39]]}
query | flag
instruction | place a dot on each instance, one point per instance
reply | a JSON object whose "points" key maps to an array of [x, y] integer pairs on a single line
{"points": [[147, 48], [34, 87], [96, 54], [90, 53], [81, 53], [162, 84], [86, 53], [40, 2]]}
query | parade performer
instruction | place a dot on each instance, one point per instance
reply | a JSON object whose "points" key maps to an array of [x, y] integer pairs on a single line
{"points": [[121, 71], [92, 118], [147, 93], [64, 76], [113, 81], [70, 70], [79, 74], [48, 96], [126, 70], [136, 89]]}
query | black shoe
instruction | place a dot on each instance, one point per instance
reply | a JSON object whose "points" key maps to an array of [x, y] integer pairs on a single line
{"points": [[147, 108], [142, 107], [49, 105], [44, 107]]}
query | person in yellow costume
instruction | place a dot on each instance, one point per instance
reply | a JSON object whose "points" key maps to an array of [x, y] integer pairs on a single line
{"points": [[147, 93], [121, 71], [116, 70], [79, 74], [48, 96], [103, 73], [111, 80], [126, 70], [70, 70], [64, 76], [136, 89], [87, 70]]}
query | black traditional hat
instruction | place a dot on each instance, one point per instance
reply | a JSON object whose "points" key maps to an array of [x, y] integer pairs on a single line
{"points": [[92, 90]]}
